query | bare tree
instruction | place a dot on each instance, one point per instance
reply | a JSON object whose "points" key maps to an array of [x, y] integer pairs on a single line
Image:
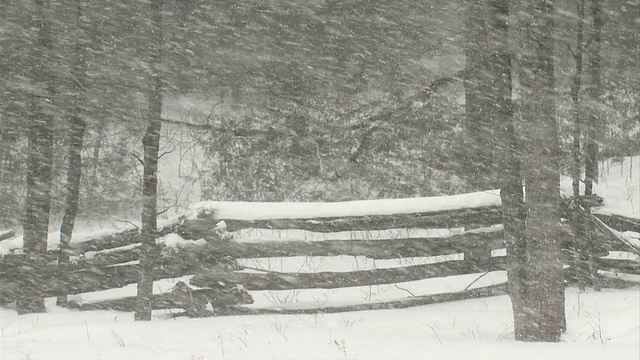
{"points": [[595, 94], [74, 140], [40, 158], [151, 144]]}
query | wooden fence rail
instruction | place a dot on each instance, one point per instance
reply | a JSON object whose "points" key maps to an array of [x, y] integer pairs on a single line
{"points": [[111, 261]]}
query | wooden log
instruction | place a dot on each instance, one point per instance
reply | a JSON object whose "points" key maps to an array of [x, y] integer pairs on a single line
{"points": [[95, 279], [120, 239], [493, 290], [218, 299], [165, 301], [615, 283], [7, 234], [622, 266], [375, 249], [105, 259], [468, 218], [92, 275], [333, 280], [620, 223]]}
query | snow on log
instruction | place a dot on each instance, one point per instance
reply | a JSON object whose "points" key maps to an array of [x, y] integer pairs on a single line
{"points": [[252, 211], [467, 217]]}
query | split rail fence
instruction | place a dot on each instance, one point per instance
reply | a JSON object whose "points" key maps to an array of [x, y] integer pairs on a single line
{"points": [[111, 261]]}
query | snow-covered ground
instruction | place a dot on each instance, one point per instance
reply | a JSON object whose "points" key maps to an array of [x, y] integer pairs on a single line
{"points": [[619, 184], [601, 325]]}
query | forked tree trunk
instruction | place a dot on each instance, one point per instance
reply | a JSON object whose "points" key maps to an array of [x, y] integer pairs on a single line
{"points": [[74, 143], [39, 163], [542, 312], [151, 143]]}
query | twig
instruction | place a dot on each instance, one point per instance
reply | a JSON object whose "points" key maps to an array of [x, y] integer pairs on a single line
{"points": [[436, 333], [86, 326], [407, 290], [476, 280], [127, 222]]}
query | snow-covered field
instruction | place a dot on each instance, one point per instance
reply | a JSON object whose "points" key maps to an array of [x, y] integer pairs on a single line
{"points": [[601, 325]]}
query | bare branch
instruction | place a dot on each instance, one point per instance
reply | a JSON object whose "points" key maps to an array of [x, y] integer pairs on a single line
{"points": [[166, 153], [573, 54]]}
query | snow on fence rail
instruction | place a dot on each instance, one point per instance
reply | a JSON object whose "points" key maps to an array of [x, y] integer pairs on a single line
{"points": [[441, 228]]}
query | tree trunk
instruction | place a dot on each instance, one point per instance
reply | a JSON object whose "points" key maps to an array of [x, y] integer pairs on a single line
{"points": [[11, 176], [151, 143], [543, 311], [594, 127], [39, 163], [478, 147], [582, 259], [508, 161], [595, 93], [75, 140], [575, 99]]}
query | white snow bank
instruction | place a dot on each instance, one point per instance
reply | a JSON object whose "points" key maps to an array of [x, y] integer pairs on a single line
{"points": [[309, 210]]}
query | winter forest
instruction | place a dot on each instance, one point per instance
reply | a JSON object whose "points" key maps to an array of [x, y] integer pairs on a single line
{"points": [[311, 179]]}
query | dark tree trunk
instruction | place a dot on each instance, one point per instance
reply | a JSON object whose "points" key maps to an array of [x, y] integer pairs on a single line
{"points": [[595, 93], [11, 124], [478, 147], [151, 143], [543, 311], [508, 161], [575, 99], [39, 163], [582, 259], [74, 143]]}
